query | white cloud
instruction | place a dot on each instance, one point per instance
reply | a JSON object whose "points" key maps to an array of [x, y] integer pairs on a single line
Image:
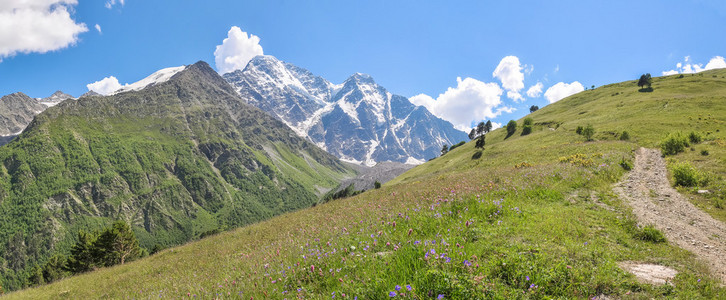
{"points": [[470, 101], [535, 90], [528, 69], [671, 72], [105, 86], [509, 72], [98, 28], [716, 62], [111, 3], [39, 26], [557, 68], [561, 90], [236, 50], [515, 96]]}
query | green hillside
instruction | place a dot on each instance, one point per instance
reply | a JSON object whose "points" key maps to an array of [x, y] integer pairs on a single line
{"points": [[530, 217], [177, 160]]}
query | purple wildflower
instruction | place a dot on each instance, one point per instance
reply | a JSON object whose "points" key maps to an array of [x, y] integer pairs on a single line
{"points": [[392, 294]]}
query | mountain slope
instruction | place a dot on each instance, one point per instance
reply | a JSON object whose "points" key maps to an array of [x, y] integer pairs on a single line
{"points": [[358, 121], [532, 217], [17, 110], [177, 159]]}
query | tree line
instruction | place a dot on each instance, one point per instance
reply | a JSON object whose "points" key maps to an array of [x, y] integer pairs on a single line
{"points": [[114, 245]]}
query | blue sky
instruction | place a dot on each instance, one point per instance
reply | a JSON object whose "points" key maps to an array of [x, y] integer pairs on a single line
{"points": [[409, 47]]}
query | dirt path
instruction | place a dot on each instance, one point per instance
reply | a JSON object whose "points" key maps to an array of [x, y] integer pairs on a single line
{"points": [[654, 201]]}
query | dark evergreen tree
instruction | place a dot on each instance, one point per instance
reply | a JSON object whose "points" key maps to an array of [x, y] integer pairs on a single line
{"points": [[533, 108], [472, 133], [116, 245], [644, 80], [488, 126], [82, 258], [481, 128], [54, 268], [480, 142], [444, 149]]}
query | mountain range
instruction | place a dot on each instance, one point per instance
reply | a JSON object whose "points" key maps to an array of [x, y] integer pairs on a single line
{"points": [[179, 157], [358, 121]]}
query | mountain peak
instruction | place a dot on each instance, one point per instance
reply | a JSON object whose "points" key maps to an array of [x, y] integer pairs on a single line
{"points": [[360, 78]]}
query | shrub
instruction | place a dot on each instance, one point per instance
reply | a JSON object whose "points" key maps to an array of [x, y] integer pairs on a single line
{"points": [[626, 164], [684, 174], [694, 137], [457, 145], [588, 132], [528, 121], [579, 130], [526, 129], [624, 136], [673, 144], [377, 184], [523, 164], [650, 234], [511, 127], [704, 152]]}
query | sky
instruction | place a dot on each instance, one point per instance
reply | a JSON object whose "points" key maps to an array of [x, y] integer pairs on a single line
{"points": [[466, 61]]}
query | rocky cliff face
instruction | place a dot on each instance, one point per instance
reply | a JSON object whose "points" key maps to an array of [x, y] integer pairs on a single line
{"points": [[17, 110], [358, 121]]}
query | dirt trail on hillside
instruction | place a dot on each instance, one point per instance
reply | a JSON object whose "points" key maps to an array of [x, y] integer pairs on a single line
{"points": [[654, 201]]}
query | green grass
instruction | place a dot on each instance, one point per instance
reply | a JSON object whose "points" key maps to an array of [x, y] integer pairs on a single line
{"points": [[465, 228]]}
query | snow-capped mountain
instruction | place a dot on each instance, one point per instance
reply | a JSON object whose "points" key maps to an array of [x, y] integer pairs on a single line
{"points": [[358, 121], [54, 99], [157, 77]]}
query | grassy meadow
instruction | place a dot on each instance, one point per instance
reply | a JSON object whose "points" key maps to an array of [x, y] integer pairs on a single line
{"points": [[533, 217]]}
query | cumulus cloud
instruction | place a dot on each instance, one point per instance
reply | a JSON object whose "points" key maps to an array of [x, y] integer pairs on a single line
{"points": [[509, 72], [105, 86], [470, 101], [37, 26], [111, 3], [236, 50], [687, 67], [535, 90], [561, 90], [98, 28]]}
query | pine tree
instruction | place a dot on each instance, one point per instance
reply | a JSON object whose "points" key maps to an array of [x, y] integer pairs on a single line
{"points": [[82, 258], [480, 142], [116, 245], [481, 128], [488, 126]]}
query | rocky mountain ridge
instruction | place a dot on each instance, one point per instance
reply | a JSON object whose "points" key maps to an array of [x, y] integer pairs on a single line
{"points": [[358, 121]]}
